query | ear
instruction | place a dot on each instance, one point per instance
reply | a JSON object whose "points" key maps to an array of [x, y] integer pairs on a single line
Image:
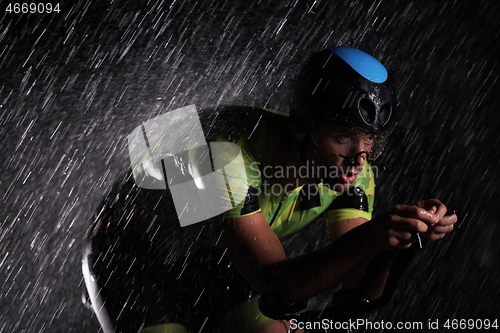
{"points": [[299, 136]]}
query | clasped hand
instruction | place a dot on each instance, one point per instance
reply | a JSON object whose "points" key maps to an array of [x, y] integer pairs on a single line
{"points": [[398, 226]]}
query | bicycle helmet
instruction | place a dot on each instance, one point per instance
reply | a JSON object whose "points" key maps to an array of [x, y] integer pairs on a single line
{"points": [[346, 87]]}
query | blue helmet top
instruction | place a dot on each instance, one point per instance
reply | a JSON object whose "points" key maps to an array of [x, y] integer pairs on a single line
{"points": [[363, 63]]}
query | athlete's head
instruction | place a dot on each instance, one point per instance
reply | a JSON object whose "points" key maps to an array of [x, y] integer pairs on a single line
{"points": [[348, 88]]}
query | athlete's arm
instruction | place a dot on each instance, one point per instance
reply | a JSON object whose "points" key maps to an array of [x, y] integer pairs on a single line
{"points": [[338, 228], [256, 251], [335, 231]]}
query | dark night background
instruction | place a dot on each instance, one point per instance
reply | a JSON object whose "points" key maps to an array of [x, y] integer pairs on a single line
{"points": [[74, 84]]}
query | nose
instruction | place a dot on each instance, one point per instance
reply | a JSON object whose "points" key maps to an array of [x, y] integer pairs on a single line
{"points": [[359, 158], [359, 153]]}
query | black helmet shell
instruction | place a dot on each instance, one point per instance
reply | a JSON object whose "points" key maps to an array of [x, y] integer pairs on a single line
{"points": [[344, 86]]}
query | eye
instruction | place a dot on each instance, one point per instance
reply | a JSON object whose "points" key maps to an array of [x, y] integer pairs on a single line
{"points": [[369, 139], [342, 137]]}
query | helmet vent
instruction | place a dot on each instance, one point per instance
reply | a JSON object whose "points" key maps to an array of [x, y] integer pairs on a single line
{"points": [[367, 110], [384, 114]]}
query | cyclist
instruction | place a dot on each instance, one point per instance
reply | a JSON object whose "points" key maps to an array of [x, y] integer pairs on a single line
{"points": [[154, 276]]}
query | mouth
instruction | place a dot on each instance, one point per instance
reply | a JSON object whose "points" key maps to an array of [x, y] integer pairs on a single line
{"points": [[348, 177]]}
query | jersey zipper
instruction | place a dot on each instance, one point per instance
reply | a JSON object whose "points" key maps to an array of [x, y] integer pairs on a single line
{"points": [[279, 207]]}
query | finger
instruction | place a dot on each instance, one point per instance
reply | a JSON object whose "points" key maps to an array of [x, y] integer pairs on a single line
{"points": [[449, 219], [441, 228], [429, 204], [440, 209], [415, 212], [405, 224], [432, 236], [406, 239], [400, 239]]}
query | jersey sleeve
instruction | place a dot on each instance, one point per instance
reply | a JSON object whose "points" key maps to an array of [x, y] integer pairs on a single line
{"points": [[357, 201], [243, 177]]}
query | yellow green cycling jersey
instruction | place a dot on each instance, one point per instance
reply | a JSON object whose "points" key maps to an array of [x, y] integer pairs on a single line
{"points": [[288, 212]]}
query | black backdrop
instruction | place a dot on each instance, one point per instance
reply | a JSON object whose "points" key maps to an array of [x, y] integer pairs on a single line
{"points": [[74, 84]]}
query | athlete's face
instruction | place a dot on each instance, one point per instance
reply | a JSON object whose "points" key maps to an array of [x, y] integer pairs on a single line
{"points": [[328, 145]]}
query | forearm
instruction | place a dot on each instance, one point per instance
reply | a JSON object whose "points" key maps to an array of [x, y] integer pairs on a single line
{"points": [[301, 277], [377, 286], [258, 254]]}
